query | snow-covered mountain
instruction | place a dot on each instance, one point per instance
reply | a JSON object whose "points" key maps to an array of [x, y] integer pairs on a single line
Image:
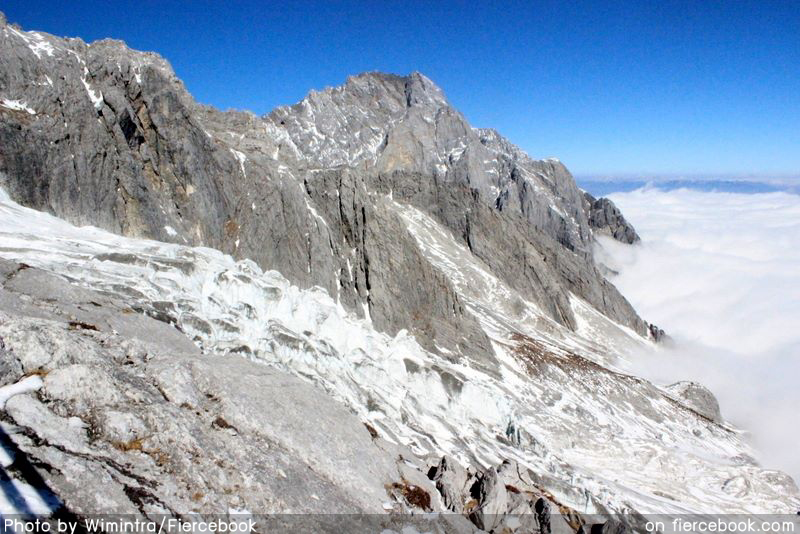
{"points": [[426, 278]]}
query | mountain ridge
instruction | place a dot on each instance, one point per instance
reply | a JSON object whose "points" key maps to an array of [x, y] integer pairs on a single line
{"points": [[173, 176]]}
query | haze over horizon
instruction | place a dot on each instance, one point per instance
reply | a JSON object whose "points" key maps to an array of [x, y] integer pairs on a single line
{"points": [[677, 88]]}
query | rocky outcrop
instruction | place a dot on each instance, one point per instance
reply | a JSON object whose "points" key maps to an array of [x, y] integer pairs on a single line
{"points": [[657, 334], [507, 498], [110, 137], [697, 397], [605, 218]]}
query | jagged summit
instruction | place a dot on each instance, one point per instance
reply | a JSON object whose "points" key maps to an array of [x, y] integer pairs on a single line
{"points": [[418, 88]]}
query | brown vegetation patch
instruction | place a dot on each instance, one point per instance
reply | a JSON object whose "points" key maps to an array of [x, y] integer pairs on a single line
{"points": [[414, 495], [231, 228], [126, 446], [571, 516], [159, 457], [535, 354], [471, 505], [78, 325], [220, 422], [372, 432]]}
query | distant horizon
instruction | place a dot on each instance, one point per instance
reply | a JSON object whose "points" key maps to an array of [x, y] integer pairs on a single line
{"points": [[777, 179], [601, 187], [676, 88]]}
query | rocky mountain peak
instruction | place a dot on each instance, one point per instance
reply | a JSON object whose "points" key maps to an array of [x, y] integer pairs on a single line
{"points": [[420, 90], [113, 139], [348, 124], [377, 86]]}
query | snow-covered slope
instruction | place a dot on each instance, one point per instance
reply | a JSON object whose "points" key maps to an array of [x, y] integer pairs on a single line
{"points": [[600, 440]]}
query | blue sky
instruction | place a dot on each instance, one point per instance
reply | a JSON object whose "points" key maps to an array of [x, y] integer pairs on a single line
{"points": [[634, 88]]}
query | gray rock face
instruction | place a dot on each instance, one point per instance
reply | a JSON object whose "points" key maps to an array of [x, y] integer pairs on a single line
{"points": [[493, 500], [100, 134], [452, 481], [697, 397], [503, 498], [605, 218]]}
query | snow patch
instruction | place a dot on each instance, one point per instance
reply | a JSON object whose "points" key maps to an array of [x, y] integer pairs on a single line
{"points": [[26, 385], [241, 158], [314, 213], [35, 42], [95, 97], [17, 105]]}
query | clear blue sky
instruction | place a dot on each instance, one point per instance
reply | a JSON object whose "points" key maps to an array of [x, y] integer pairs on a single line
{"points": [[633, 87]]}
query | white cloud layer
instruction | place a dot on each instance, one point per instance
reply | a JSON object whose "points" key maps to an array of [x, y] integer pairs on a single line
{"points": [[720, 272]]}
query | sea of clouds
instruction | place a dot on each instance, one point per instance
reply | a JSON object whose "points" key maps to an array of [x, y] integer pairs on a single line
{"points": [[720, 272]]}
